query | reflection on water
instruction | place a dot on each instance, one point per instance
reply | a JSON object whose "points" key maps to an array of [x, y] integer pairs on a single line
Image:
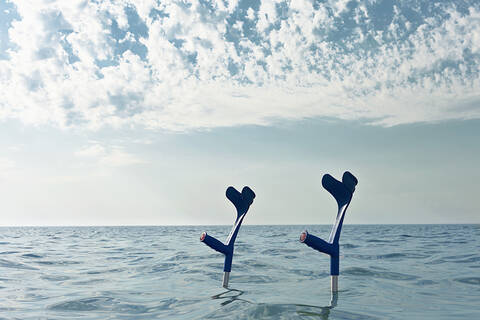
{"points": [[267, 311], [230, 296], [316, 311], [244, 309]]}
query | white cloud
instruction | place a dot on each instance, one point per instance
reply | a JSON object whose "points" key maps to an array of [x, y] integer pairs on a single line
{"points": [[94, 150], [120, 158], [7, 166], [114, 156], [68, 68], [250, 14]]}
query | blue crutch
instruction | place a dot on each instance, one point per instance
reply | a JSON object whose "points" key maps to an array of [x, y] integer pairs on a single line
{"points": [[242, 202], [342, 192]]}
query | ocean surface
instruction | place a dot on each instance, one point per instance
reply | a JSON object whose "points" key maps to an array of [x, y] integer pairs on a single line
{"points": [[386, 272]]}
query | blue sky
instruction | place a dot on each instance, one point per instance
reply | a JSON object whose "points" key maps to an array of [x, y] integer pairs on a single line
{"points": [[143, 112]]}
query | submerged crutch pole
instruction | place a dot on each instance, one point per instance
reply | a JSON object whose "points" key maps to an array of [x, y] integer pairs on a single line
{"points": [[242, 202], [342, 192]]}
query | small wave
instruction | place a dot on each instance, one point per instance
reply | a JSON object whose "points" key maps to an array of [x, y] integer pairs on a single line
{"points": [[87, 304], [392, 256], [55, 278], [5, 279], [311, 274], [15, 265], [31, 255], [194, 271], [253, 279], [139, 259], [425, 282], [464, 258], [349, 246], [105, 271], [254, 264], [179, 257], [468, 260], [99, 304], [378, 241], [356, 271], [276, 235], [389, 275], [8, 252], [87, 282], [59, 262], [115, 258], [470, 280], [163, 266], [277, 252]]}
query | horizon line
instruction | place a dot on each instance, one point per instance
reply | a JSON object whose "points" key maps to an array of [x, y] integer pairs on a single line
{"points": [[227, 225]]}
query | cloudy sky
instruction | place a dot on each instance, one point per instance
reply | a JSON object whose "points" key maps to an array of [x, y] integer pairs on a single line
{"points": [[144, 112]]}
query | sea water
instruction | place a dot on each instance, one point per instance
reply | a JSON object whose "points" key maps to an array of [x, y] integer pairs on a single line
{"points": [[386, 272]]}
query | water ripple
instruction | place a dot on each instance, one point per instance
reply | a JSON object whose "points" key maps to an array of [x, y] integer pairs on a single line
{"points": [[99, 304], [44, 277], [55, 278], [31, 255], [348, 246], [363, 272], [15, 265], [470, 280]]}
